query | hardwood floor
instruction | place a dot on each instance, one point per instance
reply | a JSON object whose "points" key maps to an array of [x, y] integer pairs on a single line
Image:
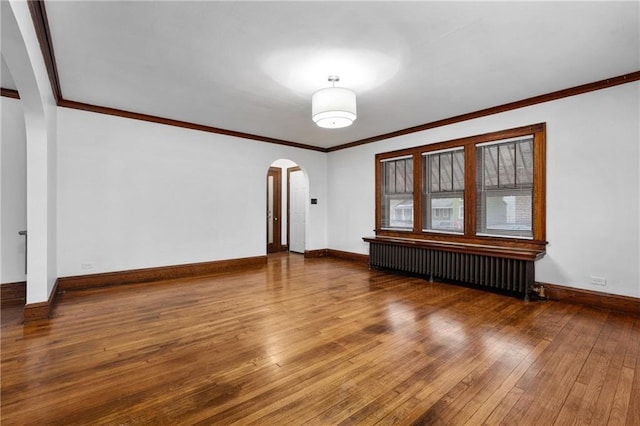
{"points": [[317, 341]]}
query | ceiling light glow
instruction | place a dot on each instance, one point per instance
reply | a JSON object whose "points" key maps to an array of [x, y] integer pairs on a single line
{"points": [[303, 70]]}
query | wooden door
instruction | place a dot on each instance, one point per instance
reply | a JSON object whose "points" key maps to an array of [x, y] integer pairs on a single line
{"points": [[274, 207]]}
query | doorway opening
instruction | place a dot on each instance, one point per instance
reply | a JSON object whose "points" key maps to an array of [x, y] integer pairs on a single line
{"points": [[287, 189]]}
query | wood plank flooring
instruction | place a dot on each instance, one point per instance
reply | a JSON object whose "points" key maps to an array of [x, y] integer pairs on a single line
{"points": [[320, 342]]}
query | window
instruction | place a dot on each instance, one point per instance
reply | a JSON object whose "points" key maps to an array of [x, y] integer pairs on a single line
{"points": [[397, 193], [487, 188], [443, 190], [505, 188]]}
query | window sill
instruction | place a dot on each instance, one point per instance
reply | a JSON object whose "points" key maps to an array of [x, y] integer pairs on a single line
{"points": [[499, 247]]}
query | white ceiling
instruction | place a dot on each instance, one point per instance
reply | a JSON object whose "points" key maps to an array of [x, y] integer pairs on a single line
{"points": [[252, 66]]}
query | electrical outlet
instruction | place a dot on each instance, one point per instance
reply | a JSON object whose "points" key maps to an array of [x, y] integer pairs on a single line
{"points": [[598, 280], [85, 266]]}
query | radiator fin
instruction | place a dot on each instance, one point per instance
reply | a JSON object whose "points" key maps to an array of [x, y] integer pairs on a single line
{"points": [[513, 275]]}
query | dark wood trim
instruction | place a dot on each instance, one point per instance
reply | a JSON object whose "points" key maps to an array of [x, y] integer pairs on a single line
{"points": [[378, 193], [465, 141], [539, 185], [36, 311], [41, 25], [338, 254], [289, 171], [347, 255], [614, 302], [559, 94], [573, 91], [184, 124], [483, 248], [470, 197], [276, 245], [9, 93], [41, 310], [417, 192], [13, 293], [463, 239], [53, 296], [158, 274], [470, 236], [316, 253], [289, 207]]}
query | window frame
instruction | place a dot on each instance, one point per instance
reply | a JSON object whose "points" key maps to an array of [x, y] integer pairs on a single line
{"points": [[429, 194], [470, 234], [514, 188], [394, 195]]}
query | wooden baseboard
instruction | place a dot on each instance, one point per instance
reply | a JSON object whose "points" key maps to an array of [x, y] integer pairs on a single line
{"points": [[316, 253], [614, 302], [41, 310], [13, 293], [347, 255], [157, 274], [36, 311], [338, 254]]}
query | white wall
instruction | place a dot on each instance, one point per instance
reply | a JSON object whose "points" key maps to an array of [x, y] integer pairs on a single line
{"points": [[13, 191], [593, 186], [133, 194]]}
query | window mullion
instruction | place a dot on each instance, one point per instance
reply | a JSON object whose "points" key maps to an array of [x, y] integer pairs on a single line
{"points": [[515, 164], [470, 190], [417, 193], [452, 170], [439, 173], [498, 167]]}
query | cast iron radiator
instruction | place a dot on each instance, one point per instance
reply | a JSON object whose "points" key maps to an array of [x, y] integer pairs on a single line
{"points": [[506, 274]]}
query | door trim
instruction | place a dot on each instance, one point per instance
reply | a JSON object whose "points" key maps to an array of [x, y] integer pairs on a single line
{"points": [[289, 171], [276, 173]]}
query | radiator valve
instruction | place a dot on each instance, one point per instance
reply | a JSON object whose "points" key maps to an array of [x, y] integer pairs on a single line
{"points": [[540, 292]]}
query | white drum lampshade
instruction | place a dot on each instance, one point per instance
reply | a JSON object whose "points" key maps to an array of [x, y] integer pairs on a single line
{"points": [[333, 107]]}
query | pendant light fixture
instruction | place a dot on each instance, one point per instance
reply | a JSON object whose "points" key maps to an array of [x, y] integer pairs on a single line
{"points": [[333, 107]]}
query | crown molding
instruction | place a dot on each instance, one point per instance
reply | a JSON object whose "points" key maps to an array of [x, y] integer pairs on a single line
{"points": [[184, 124], [565, 93], [41, 24], [9, 93]]}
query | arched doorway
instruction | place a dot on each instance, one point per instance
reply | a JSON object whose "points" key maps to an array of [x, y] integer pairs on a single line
{"points": [[14, 193], [23, 57], [286, 210]]}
